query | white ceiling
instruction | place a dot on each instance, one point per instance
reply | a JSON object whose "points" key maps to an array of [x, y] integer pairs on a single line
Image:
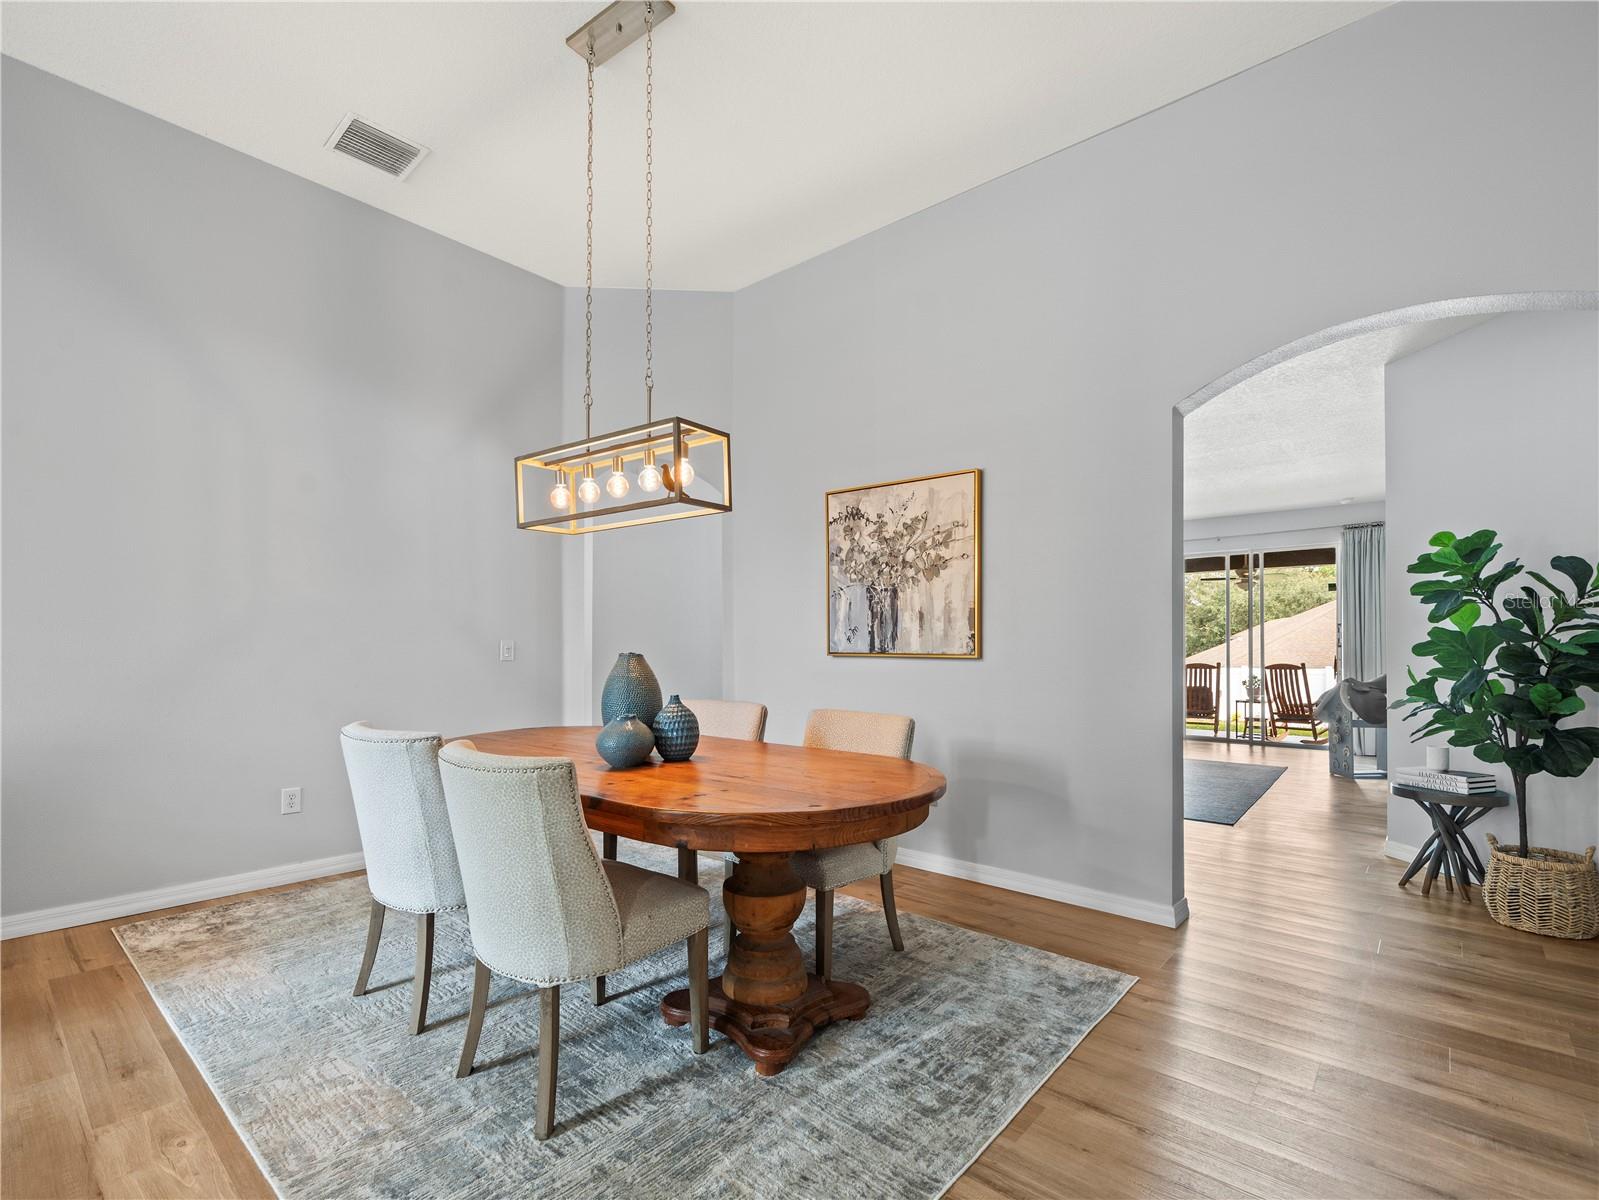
{"points": [[1304, 433], [782, 129]]}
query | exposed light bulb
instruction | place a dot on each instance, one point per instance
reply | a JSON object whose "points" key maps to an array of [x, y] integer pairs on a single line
{"points": [[616, 486], [561, 496], [649, 478], [588, 491], [685, 471]]}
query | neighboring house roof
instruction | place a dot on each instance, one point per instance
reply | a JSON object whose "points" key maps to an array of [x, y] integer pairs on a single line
{"points": [[1310, 637]]}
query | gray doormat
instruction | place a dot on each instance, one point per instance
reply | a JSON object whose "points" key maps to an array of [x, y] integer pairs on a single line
{"points": [[1222, 792], [335, 1099]]}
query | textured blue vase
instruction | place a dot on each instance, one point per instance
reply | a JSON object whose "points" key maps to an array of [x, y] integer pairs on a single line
{"points": [[677, 731], [631, 687], [625, 742]]}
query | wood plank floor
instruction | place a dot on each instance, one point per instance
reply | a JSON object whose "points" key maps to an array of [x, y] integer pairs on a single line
{"points": [[1312, 1031]]}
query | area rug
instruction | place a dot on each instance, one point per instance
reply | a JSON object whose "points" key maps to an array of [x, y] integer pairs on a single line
{"points": [[334, 1098], [1222, 792]]}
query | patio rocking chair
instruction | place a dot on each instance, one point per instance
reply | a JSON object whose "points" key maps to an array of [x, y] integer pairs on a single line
{"points": [[1289, 698], [1202, 703]]}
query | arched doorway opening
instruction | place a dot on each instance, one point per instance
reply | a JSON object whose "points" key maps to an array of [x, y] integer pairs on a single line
{"points": [[1454, 314]]}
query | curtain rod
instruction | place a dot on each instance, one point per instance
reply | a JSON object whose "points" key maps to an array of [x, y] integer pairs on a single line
{"points": [[1222, 537]]}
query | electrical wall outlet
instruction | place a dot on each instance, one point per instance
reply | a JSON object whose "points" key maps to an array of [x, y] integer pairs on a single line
{"points": [[507, 651], [290, 802]]}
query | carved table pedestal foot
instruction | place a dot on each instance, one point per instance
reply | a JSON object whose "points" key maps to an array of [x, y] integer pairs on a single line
{"points": [[765, 1000]]}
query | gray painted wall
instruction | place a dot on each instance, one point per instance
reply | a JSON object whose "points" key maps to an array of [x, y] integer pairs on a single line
{"points": [[655, 589], [1043, 326], [257, 484], [1532, 379], [1040, 327]]}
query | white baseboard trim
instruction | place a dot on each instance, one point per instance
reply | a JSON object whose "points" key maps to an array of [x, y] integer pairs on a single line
{"points": [[1168, 915], [87, 912], [1403, 853]]}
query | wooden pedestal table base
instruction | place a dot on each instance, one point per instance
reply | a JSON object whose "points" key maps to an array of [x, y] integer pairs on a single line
{"points": [[765, 1000]]}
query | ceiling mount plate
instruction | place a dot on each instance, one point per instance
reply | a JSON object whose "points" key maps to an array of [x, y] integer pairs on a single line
{"points": [[617, 28]]}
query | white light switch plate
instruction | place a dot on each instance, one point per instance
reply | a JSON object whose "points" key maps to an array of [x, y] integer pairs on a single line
{"points": [[290, 802], [507, 651]]}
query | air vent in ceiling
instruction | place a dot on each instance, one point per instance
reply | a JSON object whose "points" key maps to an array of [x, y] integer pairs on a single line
{"points": [[376, 147]]}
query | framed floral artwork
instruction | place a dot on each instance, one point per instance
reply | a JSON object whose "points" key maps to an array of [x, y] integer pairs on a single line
{"points": [[904, 568]]}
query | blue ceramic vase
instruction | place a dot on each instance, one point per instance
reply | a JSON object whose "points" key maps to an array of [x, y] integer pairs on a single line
{"points": [[677, 731], [625, 742], [631, 687]]}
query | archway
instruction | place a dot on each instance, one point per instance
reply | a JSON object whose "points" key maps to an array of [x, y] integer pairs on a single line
{"points": [[1470, 306]]}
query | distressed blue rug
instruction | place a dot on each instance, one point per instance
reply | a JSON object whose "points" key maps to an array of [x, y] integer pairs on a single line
{"points": [[1222, 792], [334, 1098]]}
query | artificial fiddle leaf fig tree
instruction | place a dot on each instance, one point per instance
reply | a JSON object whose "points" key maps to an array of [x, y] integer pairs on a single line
{"points": [[1508, 662]]}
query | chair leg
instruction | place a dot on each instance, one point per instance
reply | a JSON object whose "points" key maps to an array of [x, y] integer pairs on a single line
{"points": [[424, 972], [549, 1047], [886, 882], [824, 933], [374, 934], [597, 984], [699, 944], [474, 1020], [699, 954]]}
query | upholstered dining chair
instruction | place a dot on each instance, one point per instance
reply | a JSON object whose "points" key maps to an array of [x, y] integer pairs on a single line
{"points": [[405, 836], [544, 909], [836, 867], [738, 719]]}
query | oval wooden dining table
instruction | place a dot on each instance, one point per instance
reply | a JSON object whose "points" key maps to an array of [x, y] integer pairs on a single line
{"points": [[764, 802]]}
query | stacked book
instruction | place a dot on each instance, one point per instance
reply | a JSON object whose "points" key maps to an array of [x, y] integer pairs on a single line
{"points": [[1461, 783]]}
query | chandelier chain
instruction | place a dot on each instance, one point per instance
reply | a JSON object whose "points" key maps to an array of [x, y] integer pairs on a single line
{"points": [[649, 211], [588, 267]]}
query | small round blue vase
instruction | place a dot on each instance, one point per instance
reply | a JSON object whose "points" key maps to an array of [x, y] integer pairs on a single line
{"points": [[677, 731], [631, 687], [625, 742]]}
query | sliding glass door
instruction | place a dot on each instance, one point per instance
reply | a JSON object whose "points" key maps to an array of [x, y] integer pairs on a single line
{"points": [[1261, 644]]}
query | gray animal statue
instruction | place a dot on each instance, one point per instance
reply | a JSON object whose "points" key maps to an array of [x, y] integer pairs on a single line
{"points": [[1354, 704]]}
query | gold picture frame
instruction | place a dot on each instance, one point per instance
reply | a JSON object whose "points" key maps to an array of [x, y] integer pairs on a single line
{"points": [[898, 596]]}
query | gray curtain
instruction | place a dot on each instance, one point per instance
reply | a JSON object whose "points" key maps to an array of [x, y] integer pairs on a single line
{"points": [[1360, 610]]}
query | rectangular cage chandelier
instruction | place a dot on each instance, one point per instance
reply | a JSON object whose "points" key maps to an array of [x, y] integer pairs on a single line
{"points": [[665, 469], [679, 468]]}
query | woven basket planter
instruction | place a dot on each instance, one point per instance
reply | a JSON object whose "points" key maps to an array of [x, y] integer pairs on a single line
{"points": [[1552, 892]]}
